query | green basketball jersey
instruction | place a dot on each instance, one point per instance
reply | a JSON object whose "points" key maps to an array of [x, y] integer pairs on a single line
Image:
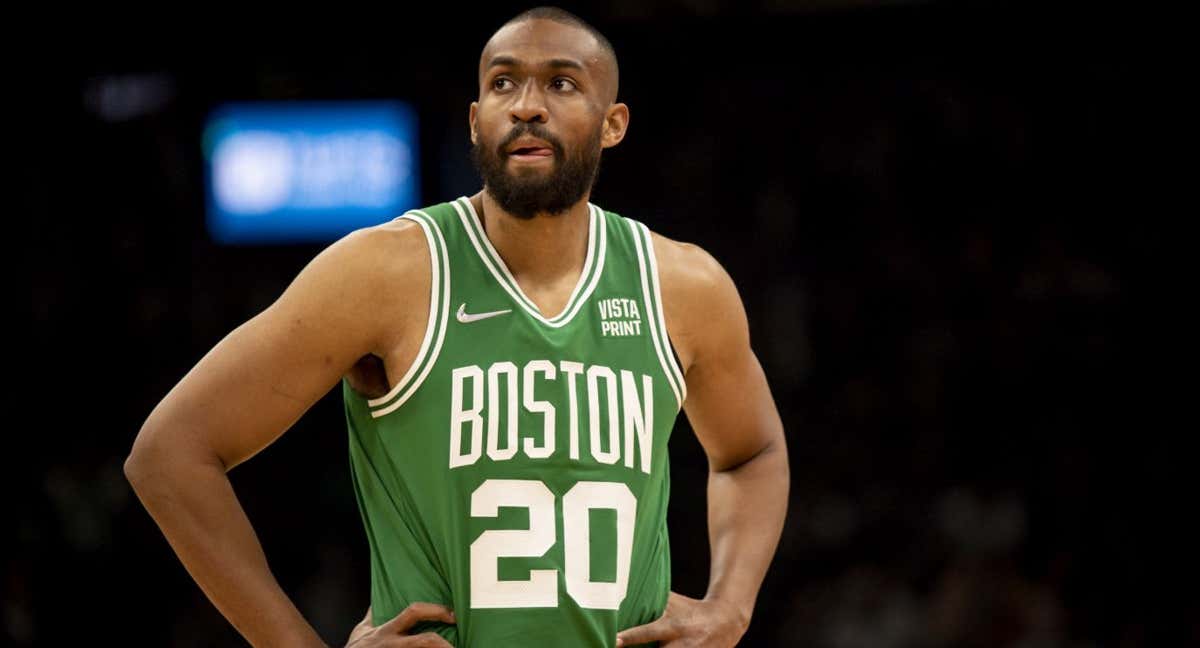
{"points": [[518, 472]]}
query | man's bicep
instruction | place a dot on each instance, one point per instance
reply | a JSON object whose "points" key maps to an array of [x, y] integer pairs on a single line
{"points": [[731, 410], [729, 403], [258, 380]]}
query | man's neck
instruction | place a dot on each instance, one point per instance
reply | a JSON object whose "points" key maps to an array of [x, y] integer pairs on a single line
{"points": [[539, 251]]}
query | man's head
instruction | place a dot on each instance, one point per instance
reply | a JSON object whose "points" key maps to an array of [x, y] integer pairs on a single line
{"points": [[546, 108]]}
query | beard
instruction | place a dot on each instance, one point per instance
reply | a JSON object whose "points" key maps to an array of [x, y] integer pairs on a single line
{"points": [[529, 192]]}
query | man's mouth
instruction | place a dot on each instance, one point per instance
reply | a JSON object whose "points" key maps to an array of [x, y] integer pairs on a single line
{"points": [[531, 152], [530, 149]]}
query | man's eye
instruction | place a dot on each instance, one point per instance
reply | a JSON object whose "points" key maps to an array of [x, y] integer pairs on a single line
{"points": [[501, 83], [563, 84]]}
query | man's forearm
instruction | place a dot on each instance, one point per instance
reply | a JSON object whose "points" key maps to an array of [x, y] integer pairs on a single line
{"points": [[194, 505], [746, 509]]}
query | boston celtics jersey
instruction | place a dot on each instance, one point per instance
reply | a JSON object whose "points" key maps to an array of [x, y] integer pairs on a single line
{"points": [[518, 471]]}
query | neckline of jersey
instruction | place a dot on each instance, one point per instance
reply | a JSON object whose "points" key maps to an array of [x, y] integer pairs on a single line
{"points": [[593, 263]]}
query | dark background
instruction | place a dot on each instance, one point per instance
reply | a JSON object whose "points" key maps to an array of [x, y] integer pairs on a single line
{"points": [[936, 214]]}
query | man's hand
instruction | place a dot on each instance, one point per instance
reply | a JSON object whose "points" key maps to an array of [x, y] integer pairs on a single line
{"points": [[690, 623], [394, 633]]}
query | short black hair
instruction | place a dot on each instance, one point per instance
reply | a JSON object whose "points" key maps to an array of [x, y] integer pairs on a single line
{"points": [[564, 17]]}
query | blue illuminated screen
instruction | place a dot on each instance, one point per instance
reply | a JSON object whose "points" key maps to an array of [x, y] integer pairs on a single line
{"points": [[305, 172]]}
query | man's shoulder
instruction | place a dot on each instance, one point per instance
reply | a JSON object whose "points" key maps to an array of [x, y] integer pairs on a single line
{"points": [[398, 231], [396, 250], [686, 268], [407, 228], [696, 293]]}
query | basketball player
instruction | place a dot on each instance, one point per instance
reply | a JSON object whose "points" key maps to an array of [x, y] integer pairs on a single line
{"points": [[512, 364]]}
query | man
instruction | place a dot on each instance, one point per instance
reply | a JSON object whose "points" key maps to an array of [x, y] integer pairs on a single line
{"points": [[512, 364]]}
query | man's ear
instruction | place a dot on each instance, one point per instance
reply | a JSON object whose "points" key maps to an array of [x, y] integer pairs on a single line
{"points": [[616, 122], [471, 120]]}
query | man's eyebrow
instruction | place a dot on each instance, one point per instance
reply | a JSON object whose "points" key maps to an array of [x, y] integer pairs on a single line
{"points": [[503, 60], [565, 63], [512, 61]]}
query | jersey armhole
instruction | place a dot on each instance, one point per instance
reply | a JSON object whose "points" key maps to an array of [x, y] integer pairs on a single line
{"points": [[674, 353], [652, 295], [435, 328]]}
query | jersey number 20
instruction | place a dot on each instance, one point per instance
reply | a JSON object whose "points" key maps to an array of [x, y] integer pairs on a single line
{"points": [[541, 590]]}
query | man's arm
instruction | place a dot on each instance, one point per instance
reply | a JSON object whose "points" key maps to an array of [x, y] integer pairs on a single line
{"points": [[244, 394], [730, 408]]}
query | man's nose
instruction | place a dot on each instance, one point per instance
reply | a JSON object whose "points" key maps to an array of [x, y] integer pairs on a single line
{"points": [[530, 105]]}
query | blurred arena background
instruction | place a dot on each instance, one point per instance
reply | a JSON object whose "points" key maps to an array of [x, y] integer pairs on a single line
{"points": [[935, 212]]}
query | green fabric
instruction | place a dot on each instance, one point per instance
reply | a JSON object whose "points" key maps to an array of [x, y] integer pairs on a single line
{"points": [[438, 446]]}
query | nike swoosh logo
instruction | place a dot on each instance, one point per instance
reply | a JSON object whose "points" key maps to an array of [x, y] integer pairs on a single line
{"points": [[465, 317]]}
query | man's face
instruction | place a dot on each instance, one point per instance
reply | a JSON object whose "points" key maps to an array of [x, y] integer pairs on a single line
{"points": [[540, 122]]}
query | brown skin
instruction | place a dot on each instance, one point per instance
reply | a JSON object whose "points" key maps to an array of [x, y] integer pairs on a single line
{"points": [[730, 408], [353, 301], [358, 310], [521, 79], [395, 631]]}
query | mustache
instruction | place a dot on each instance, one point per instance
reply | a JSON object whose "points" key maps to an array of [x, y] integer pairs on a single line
{"points": [[530, 128]]}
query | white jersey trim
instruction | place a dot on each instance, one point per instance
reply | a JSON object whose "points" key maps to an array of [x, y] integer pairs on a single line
{"points": [[654, 311], [658, 307], [434, 293], [593, 265], [424, 361]]}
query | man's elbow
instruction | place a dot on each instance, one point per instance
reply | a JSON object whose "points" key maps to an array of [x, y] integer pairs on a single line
{"points": [[156, 457], [771, 455], [779, 447], [776, 455], [773, 459], [144, 459]]}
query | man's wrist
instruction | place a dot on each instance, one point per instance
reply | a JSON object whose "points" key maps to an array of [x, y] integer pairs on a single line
{"points": [[740, 610]]}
